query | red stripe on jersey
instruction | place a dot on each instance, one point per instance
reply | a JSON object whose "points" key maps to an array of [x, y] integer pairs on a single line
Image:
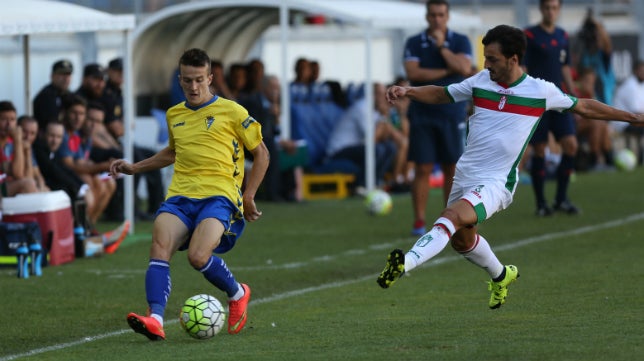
{"points": [[508, 108]]}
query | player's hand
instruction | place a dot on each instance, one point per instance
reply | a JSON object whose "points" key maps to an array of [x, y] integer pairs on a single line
{"points": [[394, 93], [120, 166], [251, 213]]}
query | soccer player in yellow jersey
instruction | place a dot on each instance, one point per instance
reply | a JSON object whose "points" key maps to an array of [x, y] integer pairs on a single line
{"points": [[205, 209]]}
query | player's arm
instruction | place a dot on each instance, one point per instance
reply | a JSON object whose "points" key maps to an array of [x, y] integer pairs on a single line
{"points": [[161, 159], [431, 94], [457, 63], [422, 75], [593, 109], [253, 180]]}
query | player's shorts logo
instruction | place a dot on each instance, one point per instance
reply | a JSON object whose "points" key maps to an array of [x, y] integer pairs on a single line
{"points": [[502, 102]]}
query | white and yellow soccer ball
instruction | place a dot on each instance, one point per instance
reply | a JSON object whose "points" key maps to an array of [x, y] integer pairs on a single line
{"points": [[202, 316], [378, 202], [625, 160]]}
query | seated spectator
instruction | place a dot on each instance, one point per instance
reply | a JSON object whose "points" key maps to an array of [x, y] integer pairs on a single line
{"points": [[29, 127], [12, 158], [237, 77], [48, 102], [597, 133], [74, 153], [56, 174], [347, 140]]}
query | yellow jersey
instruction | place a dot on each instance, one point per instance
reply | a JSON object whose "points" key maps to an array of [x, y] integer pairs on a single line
{"points": [[209, 144]]}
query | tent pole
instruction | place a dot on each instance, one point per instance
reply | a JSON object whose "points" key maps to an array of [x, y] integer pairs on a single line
{"points": [[285, 100], [128, 122], [370, 147], [27, 74]]}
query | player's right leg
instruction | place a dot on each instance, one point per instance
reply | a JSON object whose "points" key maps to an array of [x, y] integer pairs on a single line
{"points": [[168, 234]]}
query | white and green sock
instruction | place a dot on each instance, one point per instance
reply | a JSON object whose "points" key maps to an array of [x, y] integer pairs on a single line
{"points": [[430, 244]]}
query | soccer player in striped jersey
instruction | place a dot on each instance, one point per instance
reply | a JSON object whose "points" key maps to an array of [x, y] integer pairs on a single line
{"points": [[205, 209], [507, 106]]}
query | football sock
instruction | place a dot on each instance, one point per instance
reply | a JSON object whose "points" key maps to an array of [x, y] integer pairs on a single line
{"points": [[158, 286], [481, 255], [158, 318], [217, 273], [538, 174], [430, 244], [239, 294], [565, 169]]}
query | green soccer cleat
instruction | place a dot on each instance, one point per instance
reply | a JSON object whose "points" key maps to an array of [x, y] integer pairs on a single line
{"points": [[394, 268], [500, 289]]}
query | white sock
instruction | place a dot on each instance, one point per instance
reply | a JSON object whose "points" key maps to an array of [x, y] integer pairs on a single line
{"points": [[239, 294], [158, 318], [481, 255], [430, 244]]}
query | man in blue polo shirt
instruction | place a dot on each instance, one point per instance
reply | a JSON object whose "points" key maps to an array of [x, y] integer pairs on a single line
{"points": [[437, 56], [548, 57]]}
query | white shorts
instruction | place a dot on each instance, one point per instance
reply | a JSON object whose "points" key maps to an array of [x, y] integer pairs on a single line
{"points": [[486, 198]]}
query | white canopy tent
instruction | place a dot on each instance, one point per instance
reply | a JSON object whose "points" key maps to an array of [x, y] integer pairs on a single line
{"points": [[227, 29], [28, 18]]}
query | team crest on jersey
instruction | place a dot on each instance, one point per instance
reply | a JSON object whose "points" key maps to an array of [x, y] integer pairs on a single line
{"points": [[246, 123], [209, 121], [502, 102]]}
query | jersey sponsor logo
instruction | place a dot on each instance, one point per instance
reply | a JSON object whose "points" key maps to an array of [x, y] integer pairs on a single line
{"points": [[181, 124], [209, 121], [246, 123], [502, 102]]}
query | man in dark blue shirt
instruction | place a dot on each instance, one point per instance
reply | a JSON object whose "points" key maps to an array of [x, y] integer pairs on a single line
{"points": [[436, 56], [548, 57]]}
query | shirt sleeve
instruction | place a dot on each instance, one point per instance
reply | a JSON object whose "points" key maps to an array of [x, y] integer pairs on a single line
{"points": [[557, 99], [248, 129], [462, 91], [412, 50]]}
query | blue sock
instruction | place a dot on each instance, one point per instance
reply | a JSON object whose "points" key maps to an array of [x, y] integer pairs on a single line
{"points": [[217, 273], [158, 285], [538, 174]]}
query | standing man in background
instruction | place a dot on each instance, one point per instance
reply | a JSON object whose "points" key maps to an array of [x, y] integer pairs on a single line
{"points": [[49, 101], [548, 57], [437, 56]]}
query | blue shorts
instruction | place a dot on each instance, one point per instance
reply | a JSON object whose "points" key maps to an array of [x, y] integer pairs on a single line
{"points": [[560, 124], [193, 211], [437, 141]]}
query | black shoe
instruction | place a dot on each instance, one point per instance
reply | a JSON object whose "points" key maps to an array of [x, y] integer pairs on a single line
{"points": [[566, 207], [543, 211]]}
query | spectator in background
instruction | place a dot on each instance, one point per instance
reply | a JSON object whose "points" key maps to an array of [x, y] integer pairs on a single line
{"points": [[12, 158], [596, 51], [29, 127], [112, 101], [237, 79], [595, 131], [56, 174], [403, 169], [437, 56], [218, 85], [347, 140], [299, 87], [548, 57], [630, 97], [74, 154], [48, 102]]}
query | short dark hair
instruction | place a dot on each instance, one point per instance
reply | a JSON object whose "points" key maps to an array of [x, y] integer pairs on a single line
{"points": [[71, 100], [512, 40], [25, 119], [195, 57], [6, 106], [437, 2], [96, 105], [541, 2]]}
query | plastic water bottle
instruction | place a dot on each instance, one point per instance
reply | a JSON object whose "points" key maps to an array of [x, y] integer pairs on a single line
{"points": [[22, 253], [35, 259]]}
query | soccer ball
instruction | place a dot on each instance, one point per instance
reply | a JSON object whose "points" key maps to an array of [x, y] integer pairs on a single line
{"points": [[378, 202], [626, 160], [202, 316]]}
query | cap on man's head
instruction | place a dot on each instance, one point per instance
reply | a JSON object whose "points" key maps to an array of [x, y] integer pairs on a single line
{"points": [[115, 64], [94, 71], [62, 67]]}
